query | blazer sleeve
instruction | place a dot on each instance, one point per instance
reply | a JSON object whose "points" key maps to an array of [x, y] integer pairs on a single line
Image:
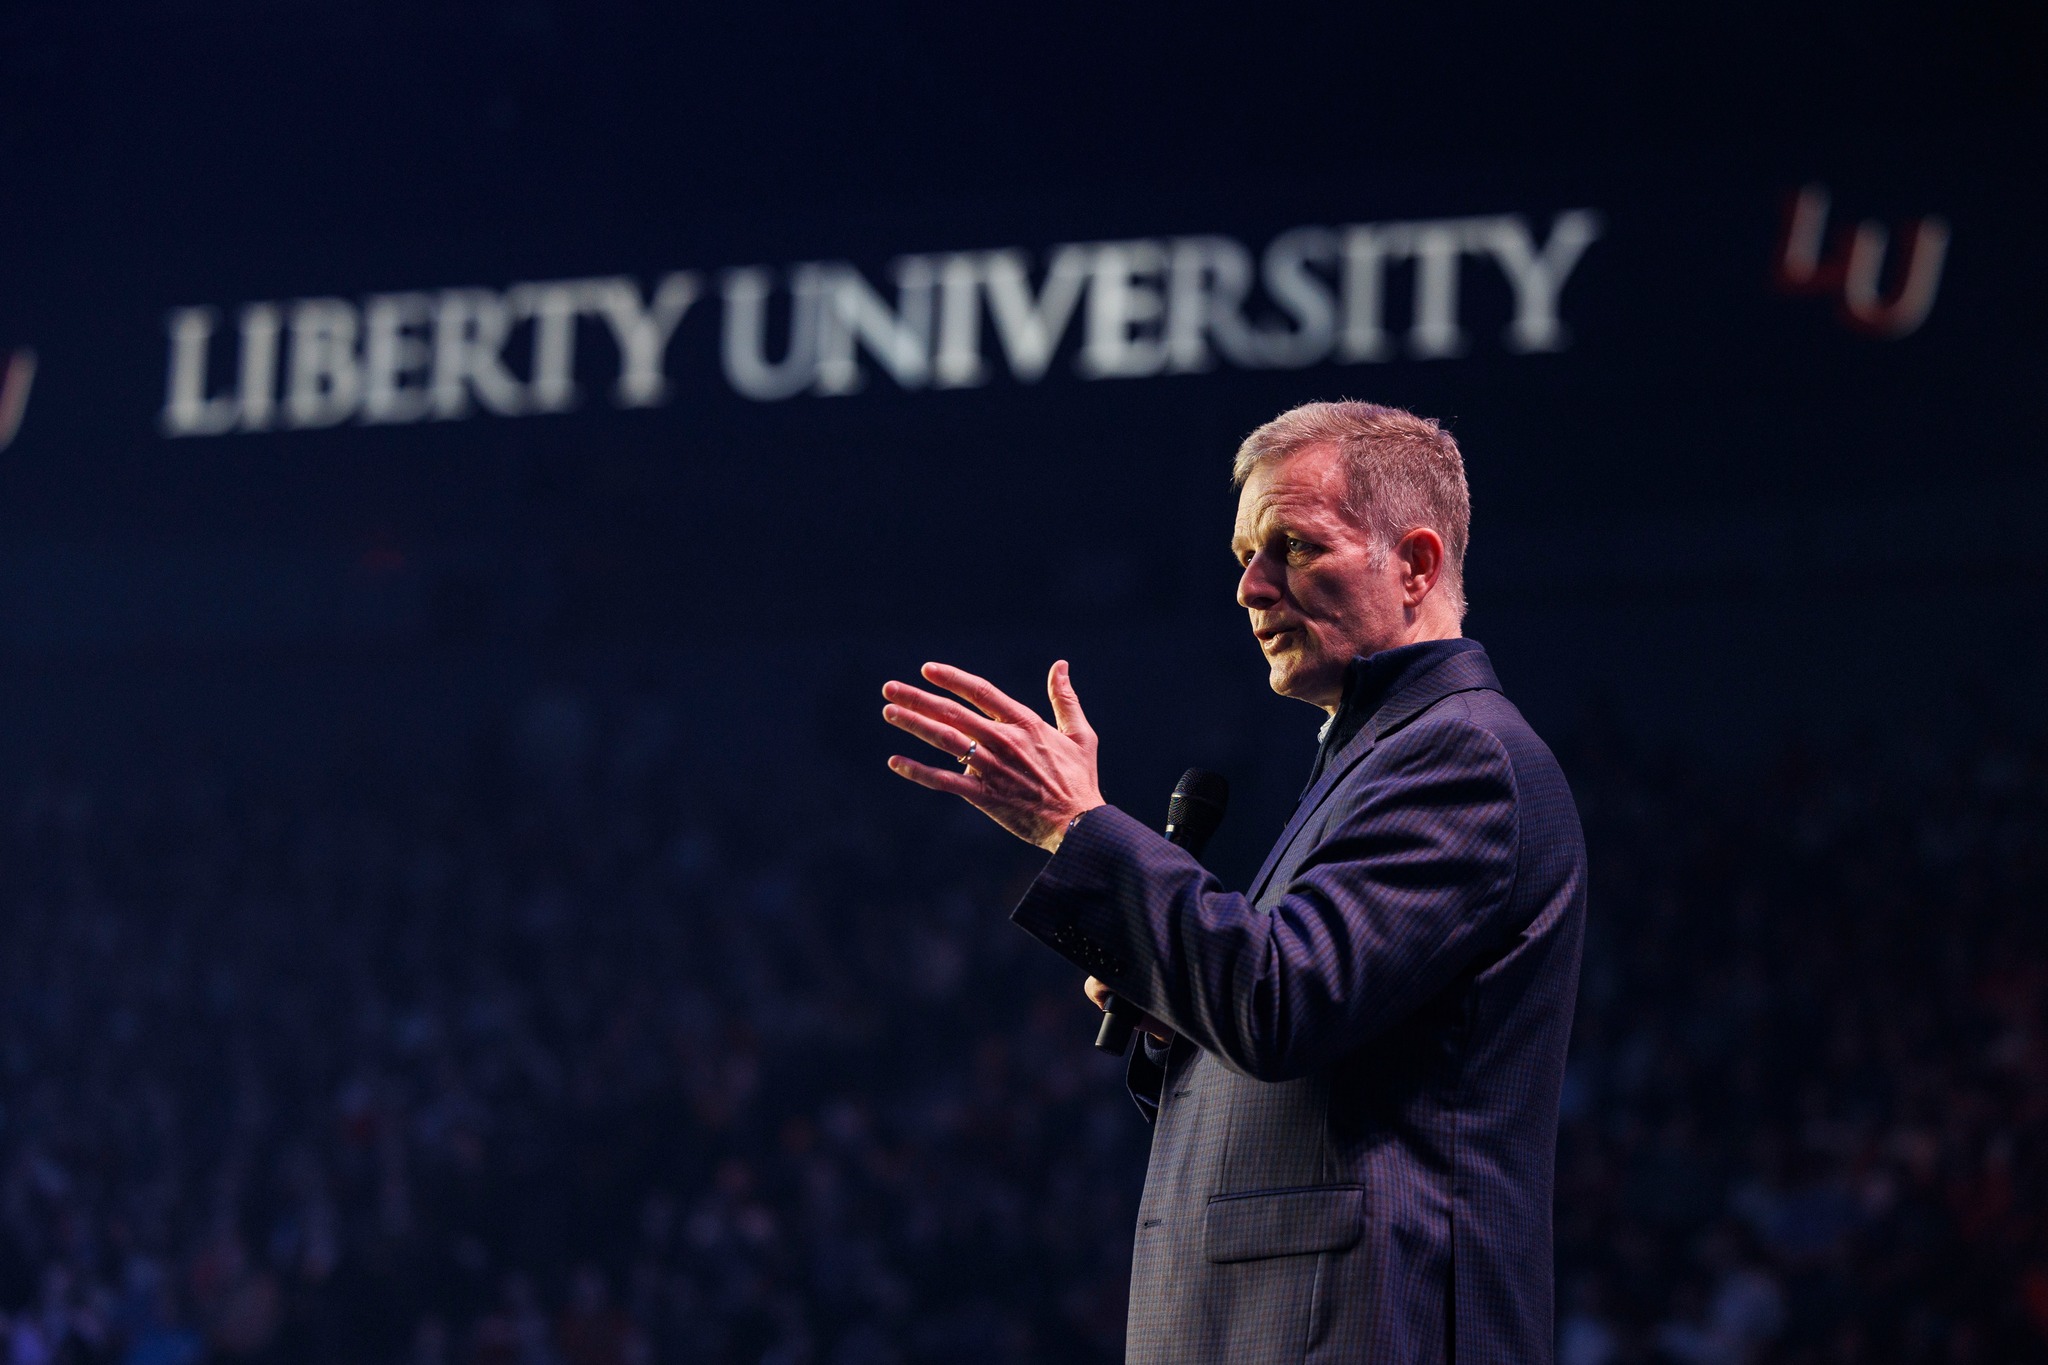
{"points": [[1402, 891]]}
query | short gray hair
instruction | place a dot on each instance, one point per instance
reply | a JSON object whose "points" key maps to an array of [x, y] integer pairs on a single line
{"points": [[1405, 471]]}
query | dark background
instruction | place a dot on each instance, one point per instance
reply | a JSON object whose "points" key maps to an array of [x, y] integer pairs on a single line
{"points": [[1719, 523], [1712, 505]]}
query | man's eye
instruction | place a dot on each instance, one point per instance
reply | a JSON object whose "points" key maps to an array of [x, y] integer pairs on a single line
{"points": [[1297, 548]]}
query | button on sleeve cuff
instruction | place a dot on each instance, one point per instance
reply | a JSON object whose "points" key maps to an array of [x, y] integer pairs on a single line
{"points": [[1076, 906]]}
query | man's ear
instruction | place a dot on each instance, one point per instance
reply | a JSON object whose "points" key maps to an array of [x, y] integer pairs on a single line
{"points": [[1421, 552]]}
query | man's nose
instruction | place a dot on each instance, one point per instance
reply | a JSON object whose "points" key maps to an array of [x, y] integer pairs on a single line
{"points": [[1257, 586]]}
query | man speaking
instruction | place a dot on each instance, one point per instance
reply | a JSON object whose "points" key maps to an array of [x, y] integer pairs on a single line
{"points": [[1354, 1065]]}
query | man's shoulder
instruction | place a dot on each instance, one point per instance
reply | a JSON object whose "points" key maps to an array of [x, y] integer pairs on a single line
{"points": [[1472, 730], [1479, 708], [1470, 760]]}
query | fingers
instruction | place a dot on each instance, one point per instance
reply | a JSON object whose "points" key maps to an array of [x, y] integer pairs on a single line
{"points": [[992, 700], [938, 710], [938, 779], [1066, 703], [944, 738]]}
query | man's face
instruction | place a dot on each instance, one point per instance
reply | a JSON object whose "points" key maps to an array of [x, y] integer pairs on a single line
{"points": [[1309, 584]]}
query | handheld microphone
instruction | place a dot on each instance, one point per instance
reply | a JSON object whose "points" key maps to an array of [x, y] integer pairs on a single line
{"points": [[1199, 800]]}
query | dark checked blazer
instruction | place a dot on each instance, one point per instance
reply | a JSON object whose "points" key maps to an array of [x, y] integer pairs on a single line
{"points": [[1356, 1124]]}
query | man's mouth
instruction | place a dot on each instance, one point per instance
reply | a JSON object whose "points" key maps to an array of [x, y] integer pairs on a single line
{"points": [[1270, 636]]}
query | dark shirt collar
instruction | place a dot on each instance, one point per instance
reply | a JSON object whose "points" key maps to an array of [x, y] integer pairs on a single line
{"points": [[1369, 680]]}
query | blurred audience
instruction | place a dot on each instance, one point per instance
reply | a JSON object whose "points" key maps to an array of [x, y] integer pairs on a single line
{"points": [[545, 1057], [1805, 1114]]}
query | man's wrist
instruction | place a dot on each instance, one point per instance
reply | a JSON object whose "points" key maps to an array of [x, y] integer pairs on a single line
{"points": [[1060, 836]]}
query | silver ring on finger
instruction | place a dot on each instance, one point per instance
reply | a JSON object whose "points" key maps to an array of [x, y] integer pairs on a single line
{"points": [[968, 757]]}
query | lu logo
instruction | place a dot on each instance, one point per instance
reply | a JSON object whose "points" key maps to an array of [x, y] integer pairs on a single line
{"points": [[1854, 270], [14, 386]]}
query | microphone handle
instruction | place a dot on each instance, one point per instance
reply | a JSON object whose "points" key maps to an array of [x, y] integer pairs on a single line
{"points": [[1119, 1022]]}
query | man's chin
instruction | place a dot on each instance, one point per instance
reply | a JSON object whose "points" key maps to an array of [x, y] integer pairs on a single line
{"points": [[1290, 679], [1285, 679]]}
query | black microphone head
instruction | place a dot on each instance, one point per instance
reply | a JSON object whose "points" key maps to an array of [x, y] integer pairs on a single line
{"points": [[1199, 800]]}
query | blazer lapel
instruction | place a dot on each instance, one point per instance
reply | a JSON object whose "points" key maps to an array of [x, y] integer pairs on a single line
{"points": [[1333, 773], [1466, 671]]}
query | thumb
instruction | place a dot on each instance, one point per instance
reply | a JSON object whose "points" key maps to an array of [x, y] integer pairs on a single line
{"points": [[1066, 706]]}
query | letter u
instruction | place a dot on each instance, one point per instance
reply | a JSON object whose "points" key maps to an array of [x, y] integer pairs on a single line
{"points": [[747, 367], [1864, 306]]}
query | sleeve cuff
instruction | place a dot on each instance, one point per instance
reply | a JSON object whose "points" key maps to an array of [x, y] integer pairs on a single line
{"points": [[1081, 902]]}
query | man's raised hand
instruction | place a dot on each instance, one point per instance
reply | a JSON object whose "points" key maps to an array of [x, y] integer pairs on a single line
{"points": [[1029, 777]]}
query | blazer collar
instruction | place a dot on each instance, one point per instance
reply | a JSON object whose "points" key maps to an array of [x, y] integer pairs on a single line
{"points": [[1398, 685]]}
